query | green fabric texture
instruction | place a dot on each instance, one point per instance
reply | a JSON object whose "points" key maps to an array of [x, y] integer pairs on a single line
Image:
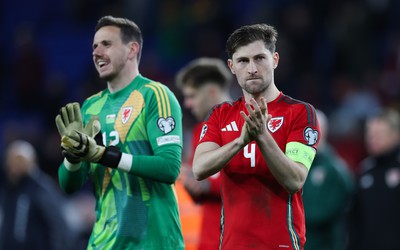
{"points": [[135, 210], [326, 197]]}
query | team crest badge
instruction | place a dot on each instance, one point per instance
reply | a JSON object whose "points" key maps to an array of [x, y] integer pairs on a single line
{"points": [[166, 125], [311, 136], [274, 124], [126, 114]]}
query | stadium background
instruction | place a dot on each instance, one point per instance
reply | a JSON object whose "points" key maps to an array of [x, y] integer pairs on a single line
{"points": [[342, 56]]}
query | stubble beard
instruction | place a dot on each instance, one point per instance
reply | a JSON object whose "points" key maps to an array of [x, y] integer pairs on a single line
{"points": [[255, 89]]}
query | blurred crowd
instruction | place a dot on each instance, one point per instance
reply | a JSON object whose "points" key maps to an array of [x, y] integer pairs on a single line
{"points": [[342, 56]]}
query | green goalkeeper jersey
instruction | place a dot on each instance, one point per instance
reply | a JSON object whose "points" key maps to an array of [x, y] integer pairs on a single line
{"points": [[135, 210]]}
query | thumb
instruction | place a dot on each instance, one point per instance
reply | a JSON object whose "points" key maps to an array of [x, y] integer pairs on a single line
{"points": [[93, 127]]}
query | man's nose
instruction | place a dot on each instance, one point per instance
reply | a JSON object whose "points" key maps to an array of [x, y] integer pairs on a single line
{"points": [[252, 68]]}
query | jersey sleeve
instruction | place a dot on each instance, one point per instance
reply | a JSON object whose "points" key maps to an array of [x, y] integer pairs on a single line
{"points": [[305, 127], [215, 180], [303, 136], [164, 126], [72, 181], [210, 131]]}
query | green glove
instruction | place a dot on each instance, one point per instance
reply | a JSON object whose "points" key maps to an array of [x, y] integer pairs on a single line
{"points": [[82, 146], [69, 120], [85, 148]]}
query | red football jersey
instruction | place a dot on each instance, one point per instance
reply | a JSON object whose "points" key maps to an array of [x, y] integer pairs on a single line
{"points": [[258, 213], [211, 204]]}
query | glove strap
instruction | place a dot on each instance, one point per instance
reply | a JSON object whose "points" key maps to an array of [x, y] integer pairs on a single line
{"points": [[111, 157]]}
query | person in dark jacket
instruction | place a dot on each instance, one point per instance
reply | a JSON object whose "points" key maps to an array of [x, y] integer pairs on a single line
{"points": [[375, 215], [31, 214], [326, 195]]}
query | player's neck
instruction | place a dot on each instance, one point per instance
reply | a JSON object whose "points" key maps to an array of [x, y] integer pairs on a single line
{"points": [[122, 80], [270, 94]]}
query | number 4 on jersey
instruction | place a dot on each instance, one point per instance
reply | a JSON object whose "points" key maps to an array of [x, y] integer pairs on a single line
{"points": [[250, 154]]}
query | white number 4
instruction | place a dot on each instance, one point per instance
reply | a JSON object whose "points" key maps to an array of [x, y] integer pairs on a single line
{"points": [[250, 154]]}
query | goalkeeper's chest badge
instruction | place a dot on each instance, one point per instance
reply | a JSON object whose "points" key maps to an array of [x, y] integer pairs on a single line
{"points": [[126, 114]]}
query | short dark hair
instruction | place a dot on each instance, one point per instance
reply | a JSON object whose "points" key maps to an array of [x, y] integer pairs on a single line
{"points": [[130, 31], [251, 33], [204, 70]]}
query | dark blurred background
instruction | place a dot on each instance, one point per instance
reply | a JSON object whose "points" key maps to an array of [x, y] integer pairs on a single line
{"points": [[342, 56]]}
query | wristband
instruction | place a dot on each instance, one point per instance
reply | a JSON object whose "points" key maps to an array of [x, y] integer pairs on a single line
{"points": [[125, 163], [111, 157]]}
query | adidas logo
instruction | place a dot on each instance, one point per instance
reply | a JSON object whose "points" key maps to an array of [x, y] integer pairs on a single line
{"points": [[231, 127]]}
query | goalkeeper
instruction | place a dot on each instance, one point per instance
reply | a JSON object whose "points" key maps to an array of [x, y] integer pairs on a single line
{"points": [[127, 140]]}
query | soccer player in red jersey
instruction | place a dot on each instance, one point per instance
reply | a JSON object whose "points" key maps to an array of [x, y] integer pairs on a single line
{"points": [[263, 145]]}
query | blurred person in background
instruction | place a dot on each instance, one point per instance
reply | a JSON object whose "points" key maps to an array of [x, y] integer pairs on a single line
{"points": [[374, 218], [31, 204], [326, 195], [204, 83], [135, 159], [263, 145]]}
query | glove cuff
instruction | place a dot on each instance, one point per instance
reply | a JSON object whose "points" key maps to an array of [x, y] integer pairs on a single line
{"points": [[70, 166], [111, 157]]}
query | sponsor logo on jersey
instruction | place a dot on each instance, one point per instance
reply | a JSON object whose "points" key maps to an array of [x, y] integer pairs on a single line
{"points": [[203, 131], [110, 118], [311, 136], [230, 127], [168, 139], [275, 123], [126, 114], [166, 125]]}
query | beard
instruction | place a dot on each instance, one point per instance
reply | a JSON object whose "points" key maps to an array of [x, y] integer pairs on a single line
{"points": [[255, 88], [116, 68]]}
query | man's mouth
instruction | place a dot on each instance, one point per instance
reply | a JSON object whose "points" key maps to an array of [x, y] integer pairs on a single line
{"points": [[101, 63]]}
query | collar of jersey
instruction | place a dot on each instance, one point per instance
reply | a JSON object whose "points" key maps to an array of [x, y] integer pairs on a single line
{"points": [[128, 89]]}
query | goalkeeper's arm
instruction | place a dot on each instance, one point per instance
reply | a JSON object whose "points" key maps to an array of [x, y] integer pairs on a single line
{"points": [[164, 166], [72, 176]]}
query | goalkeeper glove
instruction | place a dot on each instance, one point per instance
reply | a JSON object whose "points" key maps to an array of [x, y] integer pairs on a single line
{"points": [[85, 148], [69, 120]]}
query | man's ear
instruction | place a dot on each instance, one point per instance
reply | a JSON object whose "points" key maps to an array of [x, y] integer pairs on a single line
{"points": [[230, 65], [134, 50], [276, 59]]}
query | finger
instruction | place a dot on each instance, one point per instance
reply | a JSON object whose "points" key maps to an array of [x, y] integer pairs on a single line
{"points": [[77, 112], [70, 112], [76, 143], [93, 126], [69, 143], [60, 125], [263, 106], [248, 121], [245, 117], [256, 108], [250, 109], [64, 116]]}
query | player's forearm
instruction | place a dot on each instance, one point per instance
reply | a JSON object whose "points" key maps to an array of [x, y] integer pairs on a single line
{"points": [[71, 181], [163, 167], [210, 158], [291, 175]]}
